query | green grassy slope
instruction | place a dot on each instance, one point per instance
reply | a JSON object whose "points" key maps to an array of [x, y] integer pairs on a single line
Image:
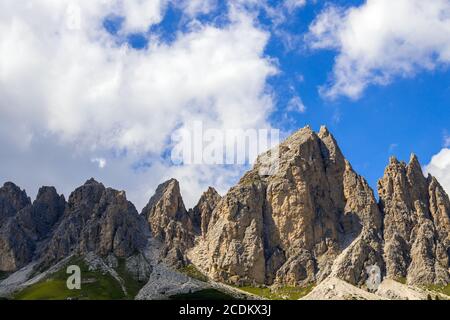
{"points": [[206, 294], [283, 293], [95, 286]]}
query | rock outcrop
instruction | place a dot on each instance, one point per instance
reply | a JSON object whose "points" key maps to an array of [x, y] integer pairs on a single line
{"points": [[97, 220], [299, 218], [289, 227], [173, 225], [170, 222], [25, 225], [12, 200], [202, 212], [416, 224]]}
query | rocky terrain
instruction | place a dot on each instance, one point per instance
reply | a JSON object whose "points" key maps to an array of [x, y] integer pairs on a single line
{"points": [[289, 228], [313, 221]]}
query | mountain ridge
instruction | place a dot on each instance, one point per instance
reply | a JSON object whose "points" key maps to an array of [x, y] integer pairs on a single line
{"points": [[312, 219]]}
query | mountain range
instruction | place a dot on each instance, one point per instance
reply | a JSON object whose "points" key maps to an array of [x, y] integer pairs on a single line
{"points": [[311, 229]]}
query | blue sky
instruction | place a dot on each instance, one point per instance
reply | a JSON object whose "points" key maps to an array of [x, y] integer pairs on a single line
{"points": [[109, 82], [409, 115]]}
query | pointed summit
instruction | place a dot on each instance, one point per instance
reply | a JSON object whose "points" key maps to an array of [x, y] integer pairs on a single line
{"points": [[12, 200], [393, 160], [413, 158], [268, 229], [202, 212], [170, 222], [96, 220], [168, 197], [324, 131], [414, 164], [91, 181], [411, 217]]}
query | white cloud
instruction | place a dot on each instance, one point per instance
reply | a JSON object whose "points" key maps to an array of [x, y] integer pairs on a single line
{"points": [[446, 141], [292, 5], [440, 168], [392, 147], [66, 82], [296, 105], [380, 40], [140, 14], [101, 162], [195, 7]]}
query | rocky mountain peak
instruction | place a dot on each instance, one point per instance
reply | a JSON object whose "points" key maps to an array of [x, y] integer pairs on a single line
{"points": [[310, 218], [289, 227], [416, 232], [12, 200], [98, 220], [202, 212], [92, 181], [168, 199], [170, 222], [393, 160], [32, 223]]}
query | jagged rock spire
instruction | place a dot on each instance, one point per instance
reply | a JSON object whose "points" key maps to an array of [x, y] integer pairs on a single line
{"points": [[32, 223], [416, 228], [170, 222], [98, 220], [12, 200], [202, 212]]}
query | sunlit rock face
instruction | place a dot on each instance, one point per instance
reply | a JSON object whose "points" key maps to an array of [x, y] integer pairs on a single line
{"points": [[416, 224], [290, 227]]}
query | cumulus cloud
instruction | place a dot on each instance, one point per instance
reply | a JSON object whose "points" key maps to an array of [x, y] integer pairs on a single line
{"points": [[440, 168], [381, 40], [446, 141], [101, 162], [68, 87], [195, 7], [296, 105], [140, 14], [292, 5]]}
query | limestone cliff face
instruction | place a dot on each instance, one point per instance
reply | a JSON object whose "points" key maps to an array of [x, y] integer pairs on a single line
{"points": [[416, 224], [290, 227], [24, 224], [175, 226], [170, 222], [98, 220], [309, 217]]}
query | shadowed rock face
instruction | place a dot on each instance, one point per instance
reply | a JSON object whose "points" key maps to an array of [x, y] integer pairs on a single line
{"points": [[12, 200], [417, 224], [98, 220], [290, 227], [202, 212], [26, 224]]}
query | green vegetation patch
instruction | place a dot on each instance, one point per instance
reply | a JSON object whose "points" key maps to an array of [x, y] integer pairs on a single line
{"points": [[281, 293], [206, 294], [441, 289], [402, 280], [193, 272], [94, 286]]}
